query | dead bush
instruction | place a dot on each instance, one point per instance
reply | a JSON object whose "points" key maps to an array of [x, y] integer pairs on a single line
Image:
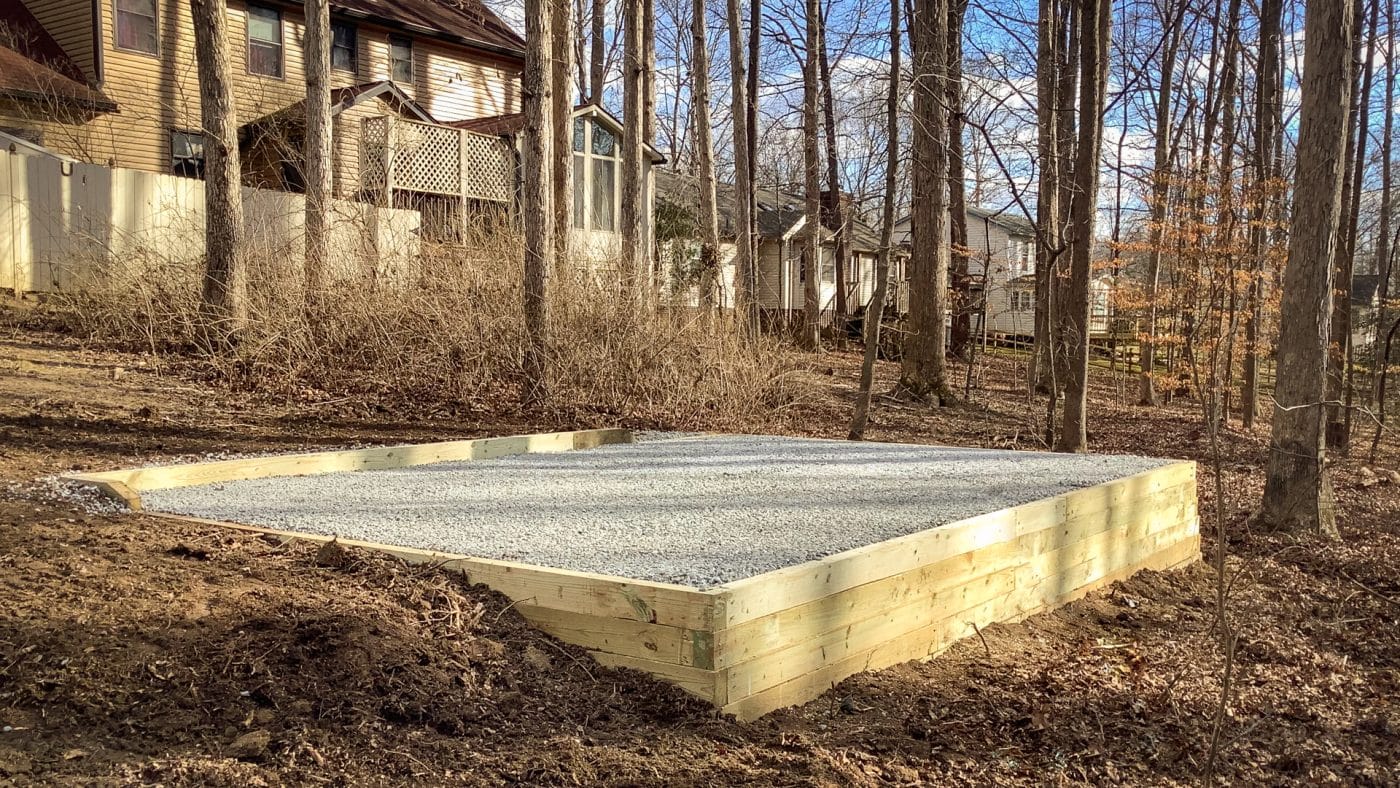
{"points": [[449, 330]]}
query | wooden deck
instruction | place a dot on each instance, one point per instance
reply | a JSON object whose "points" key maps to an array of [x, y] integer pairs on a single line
{"points": [[787, 636]]}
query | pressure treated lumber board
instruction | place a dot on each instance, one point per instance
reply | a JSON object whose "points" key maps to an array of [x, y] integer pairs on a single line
{"points": [[787, 636], [128, 484]]}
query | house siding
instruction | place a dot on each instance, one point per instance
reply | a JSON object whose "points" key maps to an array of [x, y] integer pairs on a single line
{"points": [[157, 94]]}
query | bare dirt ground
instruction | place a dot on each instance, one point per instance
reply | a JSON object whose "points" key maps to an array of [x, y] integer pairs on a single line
{"points": [[137, 651]]}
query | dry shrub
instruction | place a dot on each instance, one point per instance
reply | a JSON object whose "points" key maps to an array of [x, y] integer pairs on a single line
{"points": [[450, 332]]}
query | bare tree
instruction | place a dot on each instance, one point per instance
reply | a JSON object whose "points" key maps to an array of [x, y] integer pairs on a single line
{"points": [[562, 93], [745, 266], [597, 59], [225, 278], [1268, 127], [318, 142], [876, 312], [961, 334], [704, 152], [1161, 182], [923, 370], [812, 247], [1298, 487], [1384, 248], [537, 182], [833, 207], [633, 128]]}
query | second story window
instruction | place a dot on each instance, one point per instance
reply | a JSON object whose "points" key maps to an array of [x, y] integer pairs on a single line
{"points": [[401, 60], [136, 25], [264, 41], [343, 47]]}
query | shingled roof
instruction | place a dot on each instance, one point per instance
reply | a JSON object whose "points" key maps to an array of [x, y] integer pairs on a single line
{"points": [[34, 67], [469, 21]]}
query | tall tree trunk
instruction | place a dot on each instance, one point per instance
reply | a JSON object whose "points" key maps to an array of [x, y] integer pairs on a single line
{"points": [[751, 135], [963, 306], [745, 264], [1340, 376], [1049, 39], [705, 154], [834, 207], [536, 190], [562, 93], [1384, 250], [1268, 111], [1298, 488], [811, 150], [1339, 426], [1093, 81], [225, 289], [876, 313], [633, 264], [1161, 183], [923, 369], [318, 144], [597, 59]]}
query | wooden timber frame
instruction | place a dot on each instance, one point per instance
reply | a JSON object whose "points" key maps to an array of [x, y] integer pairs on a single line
{"points": [[787, 636]]}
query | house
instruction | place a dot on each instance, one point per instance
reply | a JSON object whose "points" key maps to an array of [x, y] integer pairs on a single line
{"points": [[424, 93], [1001, 267], [1365, 308], [782, 233]]}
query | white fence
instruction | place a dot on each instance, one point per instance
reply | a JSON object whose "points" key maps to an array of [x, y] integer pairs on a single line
{"points": [[63, 226]]}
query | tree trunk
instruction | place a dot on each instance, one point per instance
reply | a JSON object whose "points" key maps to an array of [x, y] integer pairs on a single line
{"points": [[923, 369], [1340, 377], [1047, 208], [746, 286], [1383, 238], [633, 263], [1161, 183], [876, 312], [562, 93], [597, 59], [751, 135], [537, 183], [318, 144], [833, 207], [1268, 111], [811, 159], [961, 277], [1093, 80], [705, 154], [1298, 488], [225, 278]]}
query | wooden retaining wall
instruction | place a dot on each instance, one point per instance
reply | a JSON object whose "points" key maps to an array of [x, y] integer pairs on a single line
{"points": [[787, 636]]}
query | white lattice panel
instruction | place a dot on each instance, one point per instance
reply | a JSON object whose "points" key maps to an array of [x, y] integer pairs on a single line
{"points": [[489, 171], [374, 134], [426, 158]]}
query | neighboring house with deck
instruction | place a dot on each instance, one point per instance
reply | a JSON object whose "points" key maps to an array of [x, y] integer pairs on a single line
{"points": [[425, 100]]}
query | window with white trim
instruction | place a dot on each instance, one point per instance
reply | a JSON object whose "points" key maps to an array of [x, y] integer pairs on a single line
{"points": [[401, 59], [597, 156]]}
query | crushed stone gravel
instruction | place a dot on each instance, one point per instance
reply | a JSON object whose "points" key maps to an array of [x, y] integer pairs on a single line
{"points": [[693, 510]]}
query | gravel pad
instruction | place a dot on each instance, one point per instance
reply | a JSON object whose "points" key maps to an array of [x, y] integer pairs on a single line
{"points": [[698, 511]]}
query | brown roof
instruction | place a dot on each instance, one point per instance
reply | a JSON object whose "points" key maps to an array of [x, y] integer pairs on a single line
{"points": [[498, 125], [468, 20], [33, 66]]}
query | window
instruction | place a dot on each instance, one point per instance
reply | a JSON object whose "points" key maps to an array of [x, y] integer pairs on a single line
{"points": [[401, 59], [1022, 301], [596, 154], [343, 47], [264, 41], [136, 25], [187, 154]]}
